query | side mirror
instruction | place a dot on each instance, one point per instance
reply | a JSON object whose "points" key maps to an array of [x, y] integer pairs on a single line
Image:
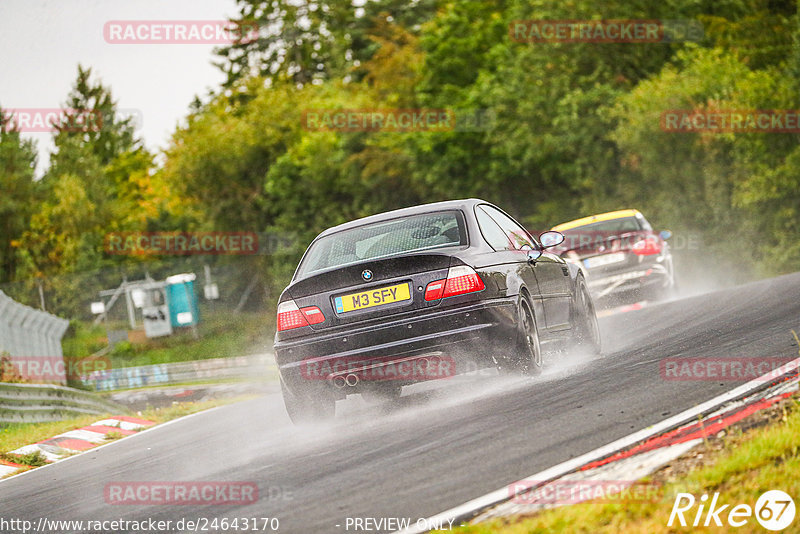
{"points": [[665, 234], [551, 238], [534, 255]]}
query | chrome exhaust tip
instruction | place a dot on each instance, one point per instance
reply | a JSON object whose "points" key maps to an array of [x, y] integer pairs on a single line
{"points": [[339, 382], [351, 380]]}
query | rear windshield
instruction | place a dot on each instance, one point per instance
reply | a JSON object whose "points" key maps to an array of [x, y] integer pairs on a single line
{"points": [[384, 239], [614, 226]]}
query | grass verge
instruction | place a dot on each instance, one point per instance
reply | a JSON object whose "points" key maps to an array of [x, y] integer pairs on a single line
{"points": [[741, 468], [16, 435]]}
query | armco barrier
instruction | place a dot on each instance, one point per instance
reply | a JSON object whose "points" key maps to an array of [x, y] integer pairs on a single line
{"points": [[28, 335], [258, 367], [36, 403]]}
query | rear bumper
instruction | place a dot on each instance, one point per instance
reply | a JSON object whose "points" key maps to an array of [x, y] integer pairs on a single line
{"points": [[641, 278], [391, 353]]}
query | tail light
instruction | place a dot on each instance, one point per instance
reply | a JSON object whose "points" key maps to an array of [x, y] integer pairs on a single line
{"points": [[646, 247], [313, 314], [434, 290], [290, 316], [460, 280]]}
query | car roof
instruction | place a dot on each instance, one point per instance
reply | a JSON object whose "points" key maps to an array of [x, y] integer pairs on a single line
{"points": [[608, 216], [464, 205]]}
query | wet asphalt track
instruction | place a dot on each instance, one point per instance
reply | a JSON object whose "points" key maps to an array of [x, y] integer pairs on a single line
{"points": [[442, 447]]}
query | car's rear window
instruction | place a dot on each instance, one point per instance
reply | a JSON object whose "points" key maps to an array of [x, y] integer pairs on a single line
{"points": [[384, 239], [614, 226]]}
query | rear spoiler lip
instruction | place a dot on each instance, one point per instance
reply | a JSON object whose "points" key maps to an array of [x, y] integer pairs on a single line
{"points": [[450, 252]]}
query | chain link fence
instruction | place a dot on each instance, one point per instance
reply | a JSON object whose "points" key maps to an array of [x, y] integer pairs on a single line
{"points": [[242, 284], [108, 313], [30, 341]]}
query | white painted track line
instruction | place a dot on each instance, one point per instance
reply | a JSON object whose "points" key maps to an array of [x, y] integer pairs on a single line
{"points": [[469, 509]]}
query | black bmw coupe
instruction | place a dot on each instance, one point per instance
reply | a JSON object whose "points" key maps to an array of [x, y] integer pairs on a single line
{"points": [[424, 293]]}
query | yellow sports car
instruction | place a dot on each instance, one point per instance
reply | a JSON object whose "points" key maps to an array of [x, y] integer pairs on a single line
{"points": [[620, 255]]}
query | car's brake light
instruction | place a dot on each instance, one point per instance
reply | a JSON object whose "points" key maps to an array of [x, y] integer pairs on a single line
{"points": [[434, 290], [290, 316], [313, 314], [460, 280], [646, 247]]}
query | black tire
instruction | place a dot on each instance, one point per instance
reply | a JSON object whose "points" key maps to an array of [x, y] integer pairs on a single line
{"points": [[587, 330], [308, 408], [525, 356]]}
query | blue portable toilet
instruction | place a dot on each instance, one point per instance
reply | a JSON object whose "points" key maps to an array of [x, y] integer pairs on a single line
{"points": [[183, 309]]}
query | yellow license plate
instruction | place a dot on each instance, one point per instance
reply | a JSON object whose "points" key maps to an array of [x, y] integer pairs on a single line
{"points": [[373, 297]]}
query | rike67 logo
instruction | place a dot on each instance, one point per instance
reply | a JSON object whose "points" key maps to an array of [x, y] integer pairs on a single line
{"points": [[774, 510]]}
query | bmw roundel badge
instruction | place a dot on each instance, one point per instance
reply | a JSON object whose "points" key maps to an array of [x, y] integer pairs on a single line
{"points": [[366, 274]]}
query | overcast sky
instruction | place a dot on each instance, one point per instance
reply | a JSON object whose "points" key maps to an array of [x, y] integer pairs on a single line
{"points": [[42, 42]]}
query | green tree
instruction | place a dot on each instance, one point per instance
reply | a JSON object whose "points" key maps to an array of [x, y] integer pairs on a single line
{"points": [[95, 184], [17, 194], [311, 40], [92, 120]]}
